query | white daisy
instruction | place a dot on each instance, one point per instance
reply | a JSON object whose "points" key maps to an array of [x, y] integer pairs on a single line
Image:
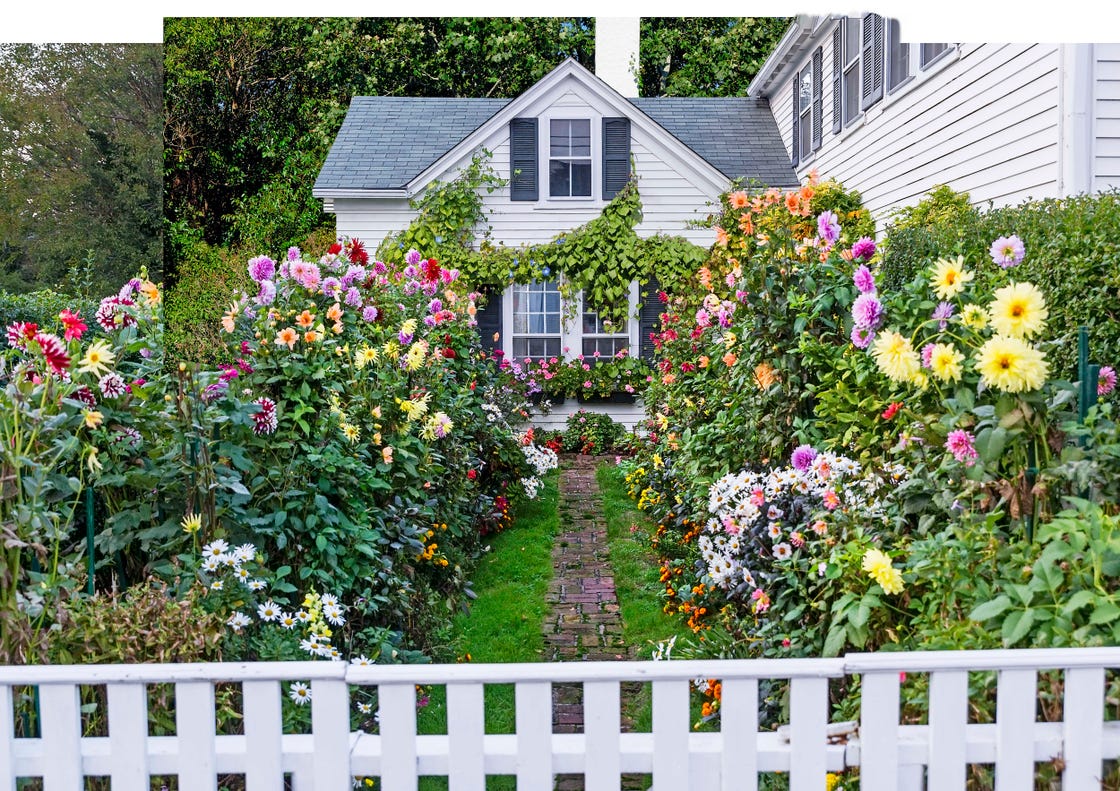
{"points": [[782, 551], [303, 616], [333, 614], [215, 549], [365, 708], [211, 565], [299, 692], [256, 585], [216, 585], [329, 600], [238, 621], [361, 661], [287, 620], [268, 611], [309, 646], [243, 574], [245, 553]]}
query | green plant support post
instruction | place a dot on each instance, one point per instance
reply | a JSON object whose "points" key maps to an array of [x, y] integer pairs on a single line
{"points": [[91, 560]]}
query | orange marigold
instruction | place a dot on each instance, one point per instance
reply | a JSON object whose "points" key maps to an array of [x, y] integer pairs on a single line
{"points": [[737, 199]]}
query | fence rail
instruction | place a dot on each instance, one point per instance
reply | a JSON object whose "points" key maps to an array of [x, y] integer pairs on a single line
{"points": [[934, 755]]}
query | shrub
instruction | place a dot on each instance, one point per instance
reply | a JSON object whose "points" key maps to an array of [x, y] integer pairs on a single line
{"points": [[1073, 254], [207, 282], [592, 432]]}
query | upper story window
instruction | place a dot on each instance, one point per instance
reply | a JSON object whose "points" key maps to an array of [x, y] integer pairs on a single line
{"points": [[898, 56], [583, 158], [569, 162], [930, 53], [807, 108], [850, 80]]}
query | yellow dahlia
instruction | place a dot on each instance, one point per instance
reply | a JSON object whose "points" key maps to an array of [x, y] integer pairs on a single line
{"points": [[949, 277], [878, 565], [896, 357], [945, 362], [1011, 365], [98, 358], [974, 317], [1018, 310]]}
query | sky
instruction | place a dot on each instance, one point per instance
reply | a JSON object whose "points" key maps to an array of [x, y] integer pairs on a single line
{"points": [[945, 20]]}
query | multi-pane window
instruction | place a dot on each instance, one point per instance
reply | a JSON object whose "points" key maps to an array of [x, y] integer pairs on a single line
{"points": [[851, 69], [805, 110], [930, 53], [536, 320], [606, 338], [569, 158], [898, 56]]}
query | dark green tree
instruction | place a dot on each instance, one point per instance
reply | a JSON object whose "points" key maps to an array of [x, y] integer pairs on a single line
{"points": [[705, 56], [79, 162]]}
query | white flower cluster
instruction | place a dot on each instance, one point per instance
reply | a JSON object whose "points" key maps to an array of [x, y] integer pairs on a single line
{"points": [[532, 487], [748, 515], [543, 459], [217, 556]]}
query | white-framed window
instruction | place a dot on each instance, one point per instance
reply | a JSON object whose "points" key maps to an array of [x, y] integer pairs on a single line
{"points": [[850, 80], [931, 53], [805, 94], [604, 339], [898, 56], [535, 320], [570, 163], [542, 324]]}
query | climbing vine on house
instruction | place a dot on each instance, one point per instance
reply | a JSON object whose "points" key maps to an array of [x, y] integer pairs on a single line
{"points": [[600, 258]]}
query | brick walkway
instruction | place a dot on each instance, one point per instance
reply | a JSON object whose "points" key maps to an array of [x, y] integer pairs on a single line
{"points": [[584, 623]]}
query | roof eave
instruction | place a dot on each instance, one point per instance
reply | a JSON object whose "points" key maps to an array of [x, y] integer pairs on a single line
{"points": [[333, 192], [804, 28]]}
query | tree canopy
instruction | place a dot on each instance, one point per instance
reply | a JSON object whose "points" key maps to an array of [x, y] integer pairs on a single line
{"points": [[79, 162]]}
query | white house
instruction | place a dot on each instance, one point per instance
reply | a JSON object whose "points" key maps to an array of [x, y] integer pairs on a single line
{"points": [[565, 146], [892, 119]]}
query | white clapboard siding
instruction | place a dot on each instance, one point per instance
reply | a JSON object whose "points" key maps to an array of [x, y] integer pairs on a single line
{"points": [[984, 119], [629, 415], [889, 755], [1106, 116]]}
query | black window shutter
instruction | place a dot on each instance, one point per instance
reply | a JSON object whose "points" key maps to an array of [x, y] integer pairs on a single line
{"points": [[523, 159], [649, 319], [796, 147], [616, 155], [489, 318], [871, 90], [818, 97], [837, 79]]}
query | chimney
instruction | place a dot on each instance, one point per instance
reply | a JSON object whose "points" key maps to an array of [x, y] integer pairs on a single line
{"points": [[616, 53]]}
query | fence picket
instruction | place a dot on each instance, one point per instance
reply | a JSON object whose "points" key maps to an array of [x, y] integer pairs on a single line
{"points": [[878, 729], [397, 704], [670, 734], [1015, 718], [62, 734], [330, 728], [1083, 727], [739, 727], [948, 723], [602, 721], [808, 713], [465, 729], [534, 734], [7, 734], [195, 723], [263, 736], [128, 736]]}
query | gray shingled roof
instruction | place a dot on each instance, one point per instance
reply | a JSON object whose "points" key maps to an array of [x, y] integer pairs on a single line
{"points": [[738, 136], [385, 141]]}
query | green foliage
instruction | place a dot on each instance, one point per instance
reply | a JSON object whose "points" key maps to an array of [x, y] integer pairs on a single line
{"points": [[600, 258], [42, 308], [704, 56], [1073, 255], [592, 432], [208, 278], [80, 147]]}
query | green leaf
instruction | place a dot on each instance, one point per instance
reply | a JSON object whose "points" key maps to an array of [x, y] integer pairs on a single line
{"points": [[1105, 612], [835, 640], [990, 609], [1016, 625], [1078, 600]]}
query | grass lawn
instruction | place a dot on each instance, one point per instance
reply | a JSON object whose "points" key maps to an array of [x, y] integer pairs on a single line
{"points": [[505, 621]]}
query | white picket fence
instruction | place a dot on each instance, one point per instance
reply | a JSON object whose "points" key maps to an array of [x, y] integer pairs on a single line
{"points": [[889, 755]]}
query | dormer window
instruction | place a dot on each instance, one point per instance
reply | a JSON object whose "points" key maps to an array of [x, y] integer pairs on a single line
{"points": [[569, 163]]}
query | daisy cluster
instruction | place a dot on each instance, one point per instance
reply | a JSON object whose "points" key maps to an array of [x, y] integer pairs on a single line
{"points": [[760, 519], [542, 460]]}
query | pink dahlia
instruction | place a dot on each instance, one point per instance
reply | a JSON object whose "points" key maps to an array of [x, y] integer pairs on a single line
{"points": [[1106, 380], [961, 444]]}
